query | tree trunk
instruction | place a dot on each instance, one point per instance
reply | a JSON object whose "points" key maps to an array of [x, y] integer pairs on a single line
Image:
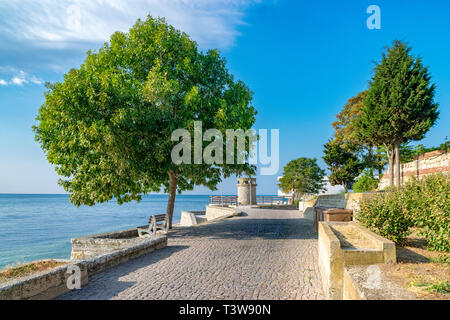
{"points": [[378, 166], [397, 164], [390, 154], [172, 195]]}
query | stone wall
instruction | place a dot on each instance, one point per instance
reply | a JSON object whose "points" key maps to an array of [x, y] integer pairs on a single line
{"points": [[100, 244], [340, 200], [42, 285], [344, 244], [373, 282], [428, 163], [214, 212], [53, 283], [192, 218]]}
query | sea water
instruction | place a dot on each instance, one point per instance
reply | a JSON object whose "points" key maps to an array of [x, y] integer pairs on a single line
{"points": [[40, 226]]}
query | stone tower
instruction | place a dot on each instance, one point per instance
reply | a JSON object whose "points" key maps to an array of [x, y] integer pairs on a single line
{"points": [[246, 189]]}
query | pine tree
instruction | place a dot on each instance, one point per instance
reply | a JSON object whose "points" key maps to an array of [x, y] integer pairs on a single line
{"points": [[399, 106]]}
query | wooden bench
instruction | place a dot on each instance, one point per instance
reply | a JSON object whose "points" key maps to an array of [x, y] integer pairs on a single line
{"points": [[157, 221]]}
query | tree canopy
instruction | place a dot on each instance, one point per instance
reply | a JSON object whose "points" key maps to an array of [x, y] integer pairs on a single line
{"points": [[302, 176], [399, 105], [343, 165], [345, 126], [107, 126]]}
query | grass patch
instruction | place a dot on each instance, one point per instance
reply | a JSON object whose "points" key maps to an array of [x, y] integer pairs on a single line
{"points": [[443, 259], [442, 287], [27, 269]]}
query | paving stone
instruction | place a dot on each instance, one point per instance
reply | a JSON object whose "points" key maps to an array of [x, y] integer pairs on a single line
{"points": [[264, 254]]}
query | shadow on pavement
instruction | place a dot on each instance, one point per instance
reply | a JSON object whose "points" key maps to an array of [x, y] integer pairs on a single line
{"points": [[110, 285], [248, 228]]}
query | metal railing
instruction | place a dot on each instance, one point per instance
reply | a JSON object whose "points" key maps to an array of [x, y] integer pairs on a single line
{"points": [[273, 200], [233, 200], [223, 200]]}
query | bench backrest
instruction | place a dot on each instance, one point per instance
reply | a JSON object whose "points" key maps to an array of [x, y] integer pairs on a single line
{"points": [[157, 217]]}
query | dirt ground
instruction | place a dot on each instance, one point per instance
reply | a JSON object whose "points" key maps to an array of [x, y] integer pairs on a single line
{"points": [[26, 269], [424, 272]]}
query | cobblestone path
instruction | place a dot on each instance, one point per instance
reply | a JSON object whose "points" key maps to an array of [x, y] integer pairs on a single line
{"points": [[265, 254]]}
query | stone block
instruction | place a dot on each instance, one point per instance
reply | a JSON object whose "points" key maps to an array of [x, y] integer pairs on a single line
{"points": [[345, 244]]}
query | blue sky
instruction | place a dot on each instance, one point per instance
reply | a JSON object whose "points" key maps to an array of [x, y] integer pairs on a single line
{"points": [[302, 60]]}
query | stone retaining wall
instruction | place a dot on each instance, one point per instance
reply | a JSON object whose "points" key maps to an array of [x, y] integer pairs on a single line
{"points": [[428, 163], [109, 260], [372, 283], [192, 218], [341, 200], [52, 283], [345, 244], [43, 285], [214, 212]]}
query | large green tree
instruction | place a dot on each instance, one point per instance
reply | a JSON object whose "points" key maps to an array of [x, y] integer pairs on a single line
{"points": [[107, 126], [301, 176], [348, 136], [399, 105], [343, 165]]}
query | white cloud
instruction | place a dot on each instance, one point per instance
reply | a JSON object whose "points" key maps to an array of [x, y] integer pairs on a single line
{"points": [[35, 80], [18, 77], [212, 23]]}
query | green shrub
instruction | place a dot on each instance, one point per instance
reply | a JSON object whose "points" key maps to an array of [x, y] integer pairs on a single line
{"points": [[384, 214], [428, 206], [366, 182], [424, 204]]}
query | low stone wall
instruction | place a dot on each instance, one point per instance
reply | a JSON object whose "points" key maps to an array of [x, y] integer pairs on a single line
{"points": [[100, 252], [214, 212], [43, 285], [342, 200], [192, 218], [428, 163], [109, 260], [303, 205], [100, 244], [348, 243], [372, 283], [331, 262]]}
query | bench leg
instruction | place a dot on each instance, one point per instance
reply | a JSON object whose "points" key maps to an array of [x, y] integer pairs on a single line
{"points": [[153, 229]]}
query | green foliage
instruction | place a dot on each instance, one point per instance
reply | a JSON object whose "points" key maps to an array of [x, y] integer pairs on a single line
{"points": [[344, 165], [345, 133], [107, 127], [442, 258], [409, 153], [428, 206], [384, 214], [366, 182], [424, 204], [302, 175], [441, 287], [399, 105]]}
